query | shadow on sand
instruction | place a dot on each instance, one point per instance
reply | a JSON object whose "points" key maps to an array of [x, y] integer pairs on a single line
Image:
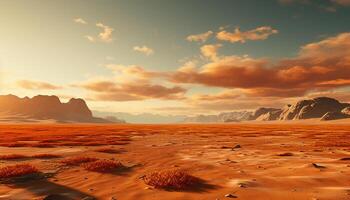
{"points": [[50, 190]]}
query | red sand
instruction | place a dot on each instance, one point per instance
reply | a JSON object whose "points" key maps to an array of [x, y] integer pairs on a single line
{"points": [[253, 171]]}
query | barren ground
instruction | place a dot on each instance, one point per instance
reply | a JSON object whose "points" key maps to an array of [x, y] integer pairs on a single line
{"points": [[258, 169]]}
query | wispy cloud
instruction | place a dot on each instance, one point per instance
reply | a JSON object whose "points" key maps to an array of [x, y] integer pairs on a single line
{"points": [[144, 49], [79, 20], [260, 33], [36, 85], [106, 34], [90, 38], [202, 37], [210, 51]]}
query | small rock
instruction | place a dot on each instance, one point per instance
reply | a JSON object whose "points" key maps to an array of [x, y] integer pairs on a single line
{"points": [[113, 198], [237, 146], [286, 154], [242, 185], [318, 166], [230, 196], [346, 158], [142, 176]]}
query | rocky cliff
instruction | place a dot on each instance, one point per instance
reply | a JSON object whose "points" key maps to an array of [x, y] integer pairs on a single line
{"points": [[312, 108], [43, 107]]}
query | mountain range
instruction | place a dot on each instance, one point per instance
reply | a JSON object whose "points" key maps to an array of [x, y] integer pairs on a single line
{"points": [[324, 108], [42, 107]]}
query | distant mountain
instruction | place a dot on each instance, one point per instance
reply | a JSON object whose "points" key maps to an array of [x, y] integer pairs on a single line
{"points": [[265, 114], [44, 107], [142, 118], [324, 108], [313, 108], [222, 117]]}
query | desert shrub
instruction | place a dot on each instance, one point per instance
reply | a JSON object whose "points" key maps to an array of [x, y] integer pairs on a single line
{"points": [[78, 160], [102, 165], [177, 179], [12, 156], [17, 170], [45, 156]]}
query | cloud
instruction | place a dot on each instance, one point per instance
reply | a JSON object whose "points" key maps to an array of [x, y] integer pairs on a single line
{"points": [[260, 33], [36, 85], [144, 49], [90, 38], [132, 72], [202, 37], [315, 68], [232, 100], [210, 51], [80, 21], [130, 83], [106, 34], [130, 91], [224, 95]]}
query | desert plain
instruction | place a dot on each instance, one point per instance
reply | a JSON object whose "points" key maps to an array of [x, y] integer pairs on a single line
{"points": [[224, 161]]}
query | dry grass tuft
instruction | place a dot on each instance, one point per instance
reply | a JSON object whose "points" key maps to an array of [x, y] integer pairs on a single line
{"points": [[102, 165], [12, 157], [45, 156], [17, 170], [176, 179], [107, 150], [78, 160]]}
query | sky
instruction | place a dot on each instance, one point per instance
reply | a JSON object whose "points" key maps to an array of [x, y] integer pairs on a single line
{"points": [[176, 57]]}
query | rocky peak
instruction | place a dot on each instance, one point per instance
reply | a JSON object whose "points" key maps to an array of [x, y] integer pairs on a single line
{"points": [[311, 108], [47, 107]]}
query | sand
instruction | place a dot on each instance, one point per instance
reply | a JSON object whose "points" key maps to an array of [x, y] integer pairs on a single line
{"points": [[253, 171]]}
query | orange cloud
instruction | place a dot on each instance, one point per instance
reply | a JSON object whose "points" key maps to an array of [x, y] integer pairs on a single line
{"points": [[113, 91], [36, 85], [317, 63], [132, 72], [233, 101], [260, 33], [202, 37], [210, 51]]}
